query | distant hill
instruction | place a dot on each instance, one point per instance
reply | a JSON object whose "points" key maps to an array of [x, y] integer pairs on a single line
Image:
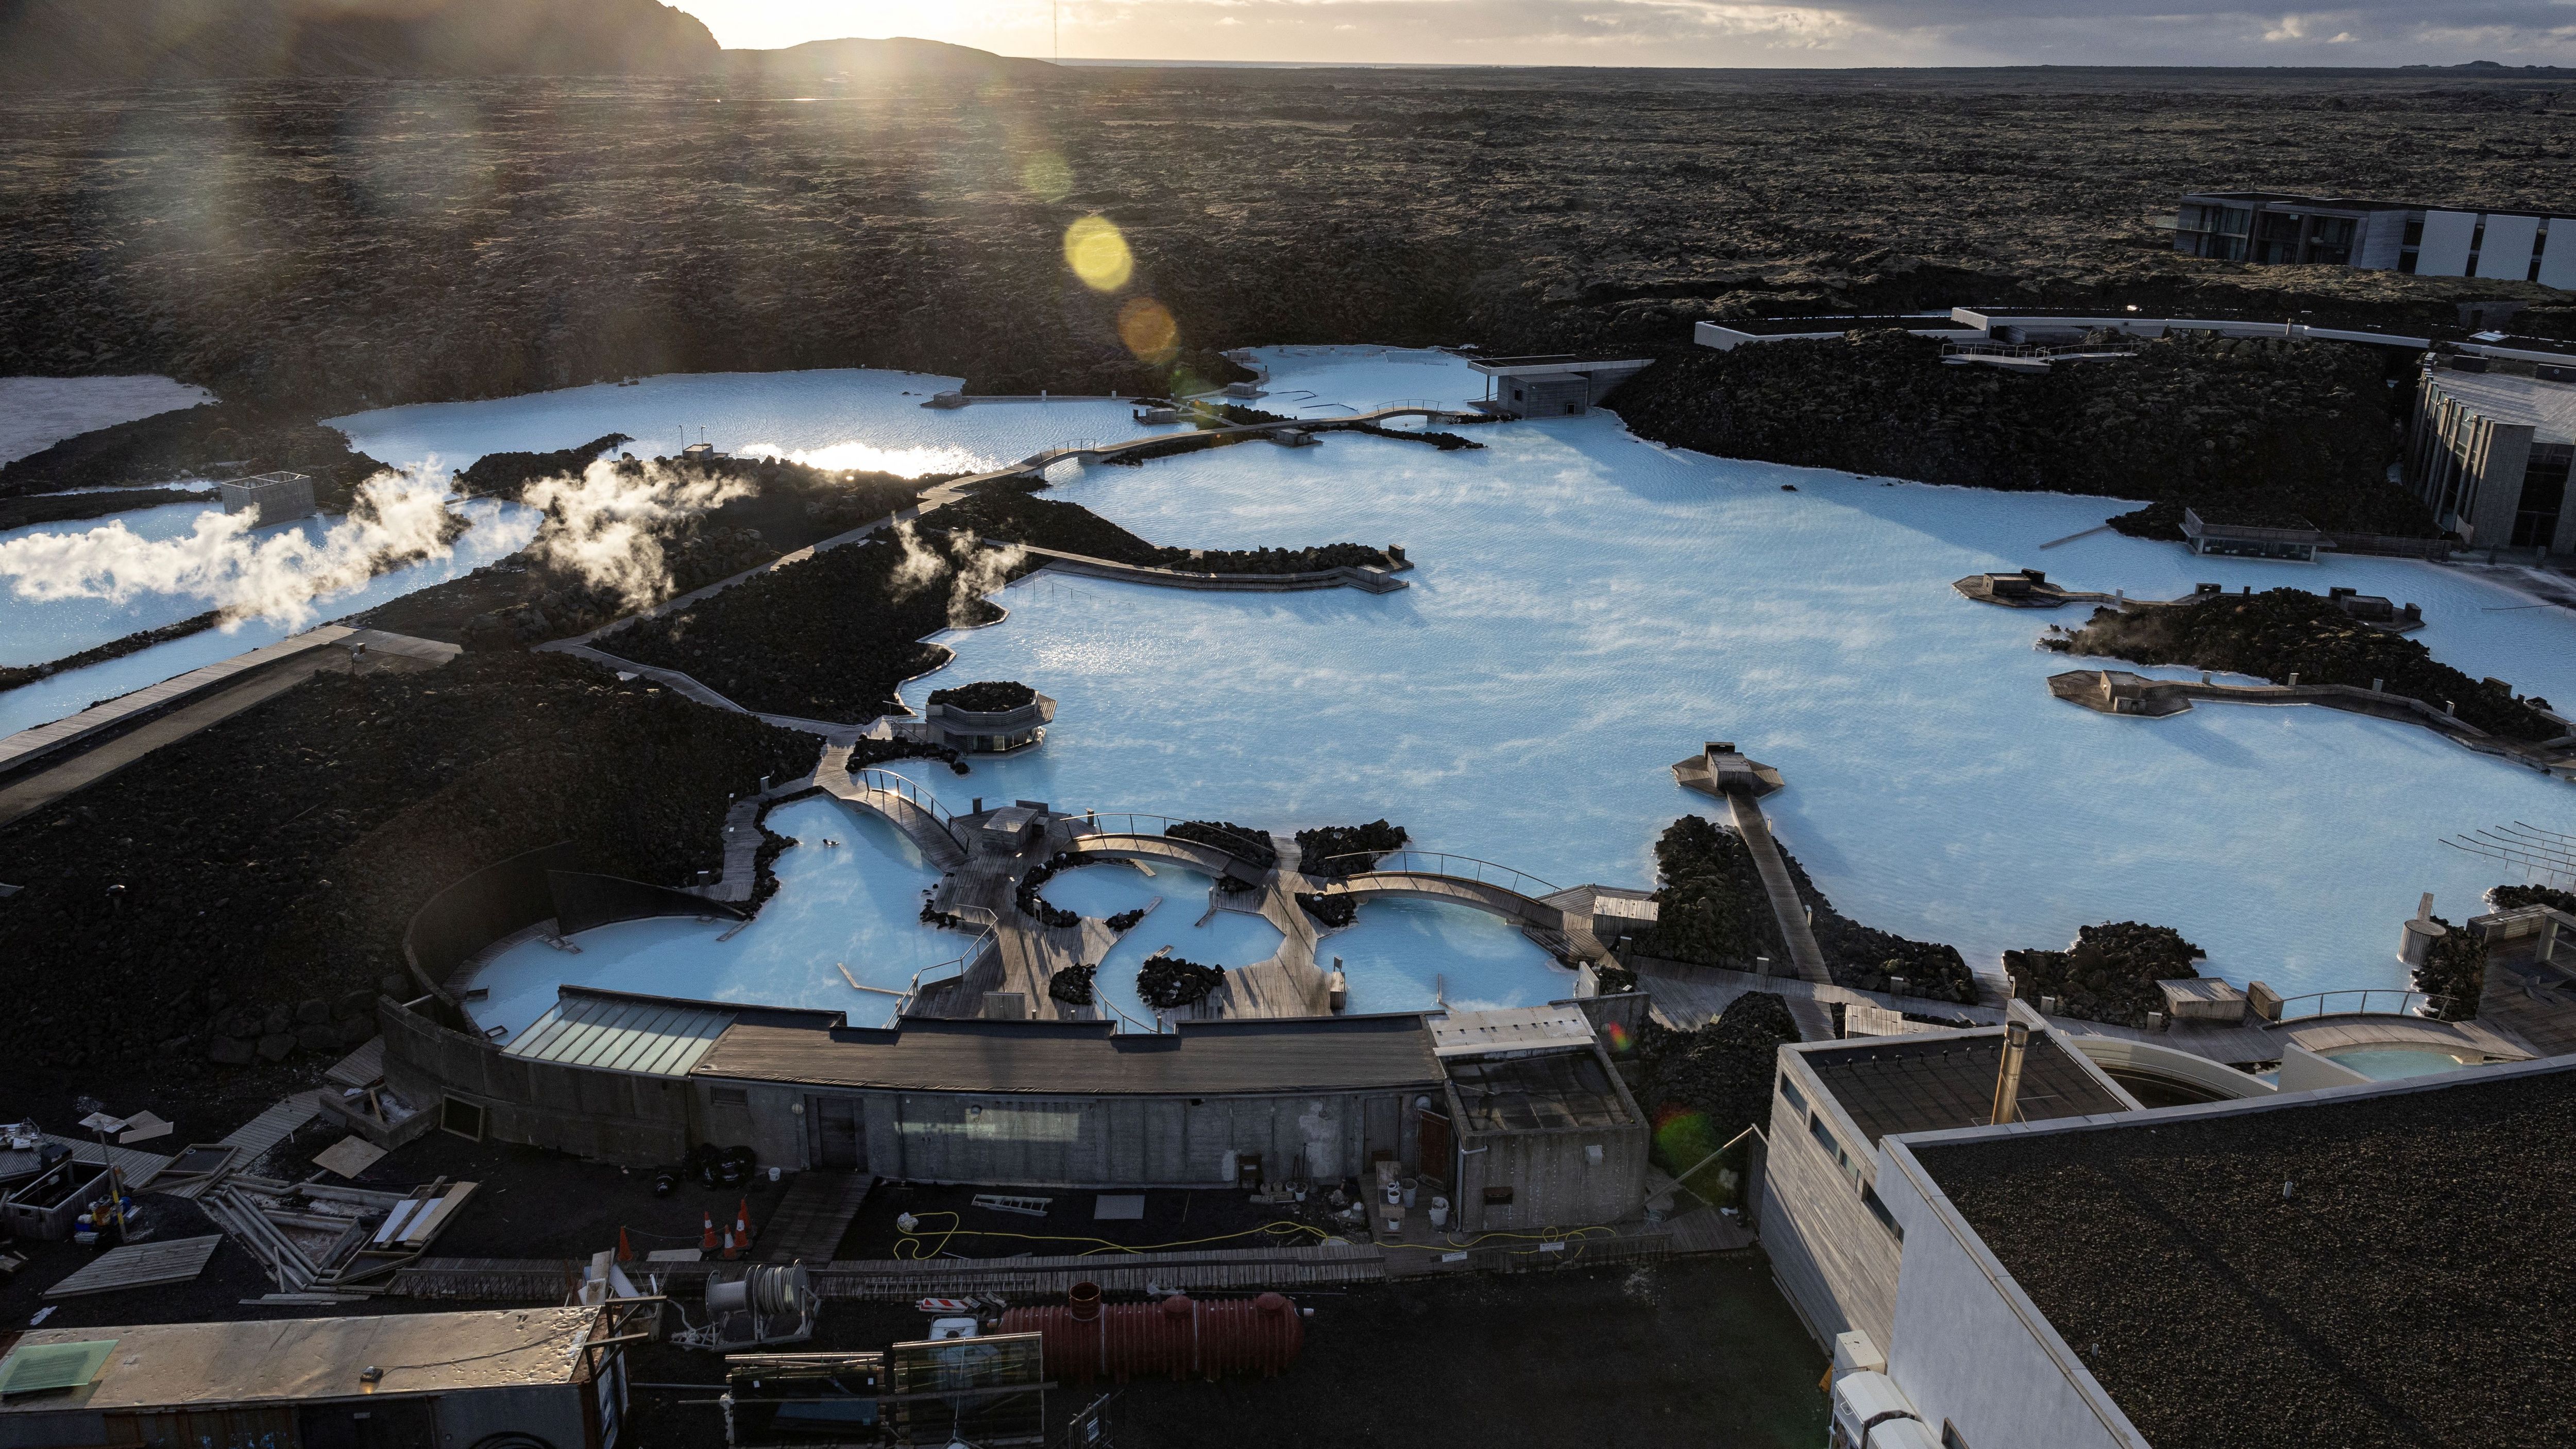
{"points": [[105, 42], [893, 59]]}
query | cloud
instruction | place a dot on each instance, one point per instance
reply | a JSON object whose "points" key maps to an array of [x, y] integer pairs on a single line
{"points": [[395, 519]]}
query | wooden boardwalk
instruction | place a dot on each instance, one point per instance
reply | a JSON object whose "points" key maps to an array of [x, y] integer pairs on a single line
{"points": [[2531, 1001], [809, 1221], [256, 1136], [1786, 908]]}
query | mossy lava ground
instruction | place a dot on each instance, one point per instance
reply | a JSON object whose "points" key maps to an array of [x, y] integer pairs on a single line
{"points": [[374, 240]]}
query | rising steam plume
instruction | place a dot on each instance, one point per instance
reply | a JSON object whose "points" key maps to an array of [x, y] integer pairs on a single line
{"points": [[978, 570], [606, 526], [397, 517]]}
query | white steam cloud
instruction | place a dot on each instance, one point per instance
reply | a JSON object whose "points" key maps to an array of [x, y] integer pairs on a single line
{"points": [[395, 519], [605, 525], [978, 570]]}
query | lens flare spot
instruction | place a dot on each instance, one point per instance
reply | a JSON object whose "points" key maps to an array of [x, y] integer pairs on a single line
{"points": [[1098, 254], [1146, 326], [1047, 177]]}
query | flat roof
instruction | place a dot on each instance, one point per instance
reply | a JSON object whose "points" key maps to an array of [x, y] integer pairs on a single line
{"points": [[2394, 1296], [1560, 363], [1510, 1028], [1899, 1084], [613, 1031], [1524, 1094], [172, 1364], [2548, 408], [1201, 1058]]}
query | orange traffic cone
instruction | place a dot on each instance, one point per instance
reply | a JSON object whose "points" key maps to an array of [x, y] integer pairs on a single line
{"points": [[742, 1223], [732, 1249], [625, 1249], [707, 1240]]}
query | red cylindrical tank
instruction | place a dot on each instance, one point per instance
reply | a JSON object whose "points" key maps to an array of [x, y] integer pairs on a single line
{"points": [[1087, 1339]]}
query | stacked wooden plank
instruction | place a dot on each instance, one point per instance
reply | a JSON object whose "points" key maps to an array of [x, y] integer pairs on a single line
{"points": [[139, 1265]]}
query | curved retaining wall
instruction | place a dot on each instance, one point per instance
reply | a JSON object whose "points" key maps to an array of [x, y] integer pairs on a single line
{"points": [[503, 897]]}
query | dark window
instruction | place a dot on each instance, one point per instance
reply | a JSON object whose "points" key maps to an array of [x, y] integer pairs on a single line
{"points": [[2406, 263], [2235, 220], [1951, 1438], [2544, 495], [2414, 234], [461, 1117], [1824, 1139], [1789, 1089], [1878, 1210]]}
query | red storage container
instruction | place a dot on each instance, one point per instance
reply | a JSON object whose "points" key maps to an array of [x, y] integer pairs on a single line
{"points": [[1087, 1339]]}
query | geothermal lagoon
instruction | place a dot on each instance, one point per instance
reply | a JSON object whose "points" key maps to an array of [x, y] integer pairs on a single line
{"points": [[1586, 608]]}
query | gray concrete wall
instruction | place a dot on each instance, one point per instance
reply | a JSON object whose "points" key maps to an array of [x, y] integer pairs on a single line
{"points": [[2489, 519], [1837, 1262], [1970, 1349], [612, 1116], [1079, 1141], [1554, 1176], [552, 1412]]}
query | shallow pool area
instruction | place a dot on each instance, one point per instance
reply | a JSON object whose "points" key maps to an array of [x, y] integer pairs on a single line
{"points": [[1179, 914], [849, 898], [1403, 955], [2386, 1064], [1588, 608]]}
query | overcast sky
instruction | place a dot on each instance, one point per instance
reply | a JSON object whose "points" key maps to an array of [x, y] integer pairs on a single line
{"points": [[1690, 32]]}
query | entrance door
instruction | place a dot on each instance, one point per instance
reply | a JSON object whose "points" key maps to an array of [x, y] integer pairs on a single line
{"points": [[1431, 1149], [837, 1142]]}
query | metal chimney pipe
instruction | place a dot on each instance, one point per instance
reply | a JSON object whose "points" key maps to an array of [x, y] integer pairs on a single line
{"points": [[2008, 1078]]}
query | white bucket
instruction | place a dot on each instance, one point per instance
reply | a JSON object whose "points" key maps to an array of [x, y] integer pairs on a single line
{"points": [[1440, 1212]]}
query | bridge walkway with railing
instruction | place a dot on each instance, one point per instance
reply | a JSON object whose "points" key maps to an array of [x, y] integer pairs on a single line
{"points": [[904, 804]]}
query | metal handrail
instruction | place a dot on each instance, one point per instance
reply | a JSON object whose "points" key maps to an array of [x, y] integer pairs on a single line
{"points": [[983, 938], [1441, 863], [920, 798], [2407, 1003], [1093, 822]]}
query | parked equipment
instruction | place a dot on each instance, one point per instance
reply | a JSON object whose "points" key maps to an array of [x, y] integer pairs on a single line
{"points": [[1179, 1336], [764, 1304]]}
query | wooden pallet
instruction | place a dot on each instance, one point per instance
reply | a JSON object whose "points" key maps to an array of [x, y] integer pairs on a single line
{"points": [[813, 1216], [136, 1169], [256, 1136], [139, 1265]]}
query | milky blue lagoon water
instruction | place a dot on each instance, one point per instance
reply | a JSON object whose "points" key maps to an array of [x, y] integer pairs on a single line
{"points": [[1178, 915], [1588, 608]]}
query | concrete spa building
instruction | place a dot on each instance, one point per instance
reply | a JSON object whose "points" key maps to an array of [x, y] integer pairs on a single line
{"points": [[2281, 229], [2489, 448], [2282, 1268]]}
